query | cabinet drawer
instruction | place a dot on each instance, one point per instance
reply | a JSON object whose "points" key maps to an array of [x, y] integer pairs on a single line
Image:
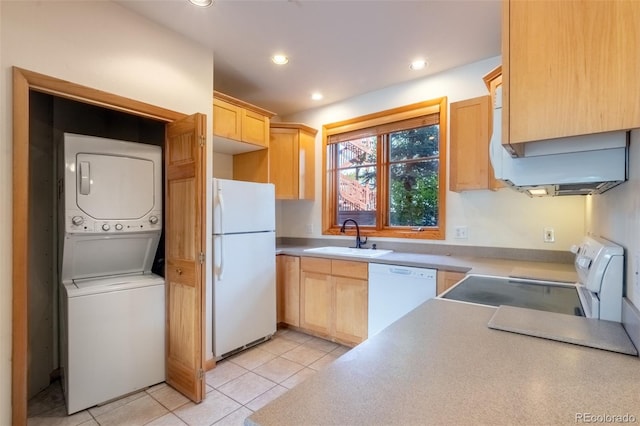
{"points": [[346, 268], [314, 264]]}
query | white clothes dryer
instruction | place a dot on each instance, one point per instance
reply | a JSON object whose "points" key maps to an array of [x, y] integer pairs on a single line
{"points": [[112, 306]]}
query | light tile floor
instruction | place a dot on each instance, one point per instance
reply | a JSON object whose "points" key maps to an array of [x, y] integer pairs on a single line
{"points": [[238, 386]]}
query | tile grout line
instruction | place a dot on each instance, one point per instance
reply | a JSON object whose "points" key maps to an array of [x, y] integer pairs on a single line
{"points": [[295, 342]]}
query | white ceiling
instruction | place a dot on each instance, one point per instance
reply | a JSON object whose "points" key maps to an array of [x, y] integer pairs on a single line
{"points": [[341, 48]]}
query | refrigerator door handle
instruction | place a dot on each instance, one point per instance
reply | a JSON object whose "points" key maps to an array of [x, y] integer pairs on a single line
{"points": [[219, 267], [221, 270], [221, 214]]}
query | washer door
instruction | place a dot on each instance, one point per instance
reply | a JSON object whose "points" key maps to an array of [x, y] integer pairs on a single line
{"points": [[90, 256], [112, 187]]}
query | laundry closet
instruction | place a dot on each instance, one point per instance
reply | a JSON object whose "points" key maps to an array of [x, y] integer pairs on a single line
{"points": [[96, 260]]}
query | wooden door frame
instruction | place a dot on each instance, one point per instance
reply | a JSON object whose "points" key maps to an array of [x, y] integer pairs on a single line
{"points": [[23, 82]]}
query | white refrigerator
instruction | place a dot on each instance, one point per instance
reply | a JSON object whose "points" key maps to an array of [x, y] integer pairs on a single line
{"points": [[244, 268]]}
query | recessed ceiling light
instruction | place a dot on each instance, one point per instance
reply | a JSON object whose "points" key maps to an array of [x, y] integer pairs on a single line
{"points": [[418, 65], [316, 96], [201, 3], [280, 59]]}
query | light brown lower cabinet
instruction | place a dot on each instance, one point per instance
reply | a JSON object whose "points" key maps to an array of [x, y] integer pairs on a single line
{"points": [[446, 279], [288, 289], [350, 309], [334, 299]]}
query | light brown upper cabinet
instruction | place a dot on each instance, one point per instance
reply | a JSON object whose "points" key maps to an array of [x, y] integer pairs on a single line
{"points": [[469, 165], [292, 161], [240, 121], [569, 68]]}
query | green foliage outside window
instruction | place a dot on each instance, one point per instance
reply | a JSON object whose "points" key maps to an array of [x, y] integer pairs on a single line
{"points": [[413, 172]]}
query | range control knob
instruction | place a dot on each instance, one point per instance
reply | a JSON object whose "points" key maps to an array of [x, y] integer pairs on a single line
{"points": [[77, 220], [106, 227], [118, 227], [584, 262], [153, 220]]}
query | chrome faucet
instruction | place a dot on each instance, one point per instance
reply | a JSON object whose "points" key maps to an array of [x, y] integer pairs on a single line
{"points": [[359, 242]]}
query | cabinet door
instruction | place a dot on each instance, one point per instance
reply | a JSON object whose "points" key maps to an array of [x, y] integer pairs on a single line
{"points": [[350, 309], [570, 68], [290, 269], [252, 166], [283, 163], [315, 302], [469, 144], [446, 279], [280, 288], [306, 165], [227, 120], [255, 128], [185, 195]]}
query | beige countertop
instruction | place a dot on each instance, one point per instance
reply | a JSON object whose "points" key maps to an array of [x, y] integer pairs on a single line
{"points": [[467, 264], [442, 364]]}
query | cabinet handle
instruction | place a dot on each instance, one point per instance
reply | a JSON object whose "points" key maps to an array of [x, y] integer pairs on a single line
{"points": [[179, 271]]}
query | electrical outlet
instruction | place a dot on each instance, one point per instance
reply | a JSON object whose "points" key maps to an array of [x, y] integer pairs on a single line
{"points": [[549, 235], [308, 229], [461, 233]]}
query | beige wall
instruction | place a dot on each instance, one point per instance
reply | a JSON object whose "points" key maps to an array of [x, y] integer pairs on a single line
{"points": [[100, 45], [615, 215], [498, 219]]}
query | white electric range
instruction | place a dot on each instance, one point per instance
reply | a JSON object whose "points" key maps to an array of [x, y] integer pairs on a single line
{"points": [[600, 267], [597, 294]]}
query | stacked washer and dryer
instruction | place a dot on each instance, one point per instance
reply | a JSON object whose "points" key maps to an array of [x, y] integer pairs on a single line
{"points": [[112, 307]]}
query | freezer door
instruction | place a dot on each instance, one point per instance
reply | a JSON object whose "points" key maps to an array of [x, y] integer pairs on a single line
{"points": [[243, 206], [244, 290]]}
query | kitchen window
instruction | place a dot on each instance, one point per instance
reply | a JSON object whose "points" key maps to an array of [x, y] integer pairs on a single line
{"points": [[387, 171]]}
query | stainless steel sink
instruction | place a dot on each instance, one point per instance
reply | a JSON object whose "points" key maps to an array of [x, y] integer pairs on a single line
{"points": [[349, 251]]}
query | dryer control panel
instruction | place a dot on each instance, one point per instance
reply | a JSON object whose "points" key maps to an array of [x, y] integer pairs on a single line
{"points": [[83, 224]]}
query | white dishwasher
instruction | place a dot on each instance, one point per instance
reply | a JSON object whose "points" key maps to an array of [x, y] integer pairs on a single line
{"points": [[395, 291]]}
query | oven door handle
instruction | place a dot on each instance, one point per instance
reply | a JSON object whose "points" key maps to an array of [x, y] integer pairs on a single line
{"points": [[589, 301]]}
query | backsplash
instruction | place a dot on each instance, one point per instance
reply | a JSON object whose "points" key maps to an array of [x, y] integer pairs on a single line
{"points": [[530, 255]]}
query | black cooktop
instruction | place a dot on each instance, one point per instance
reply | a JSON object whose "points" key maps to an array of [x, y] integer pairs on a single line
{"points": [[496, 291]]}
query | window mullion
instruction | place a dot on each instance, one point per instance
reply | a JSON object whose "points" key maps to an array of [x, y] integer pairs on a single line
{"points": [[382, 195]]}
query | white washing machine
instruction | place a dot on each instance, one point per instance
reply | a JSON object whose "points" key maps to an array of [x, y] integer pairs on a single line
{"points": [[112, 306]]}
